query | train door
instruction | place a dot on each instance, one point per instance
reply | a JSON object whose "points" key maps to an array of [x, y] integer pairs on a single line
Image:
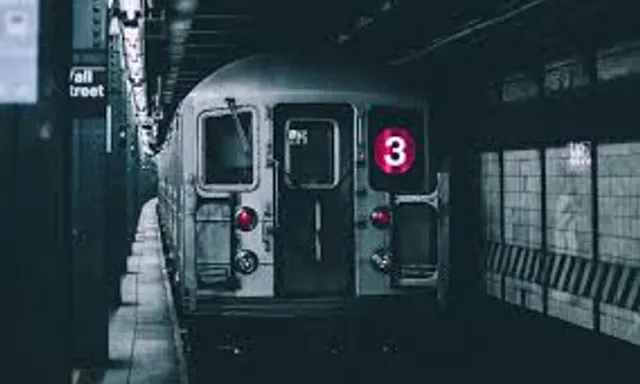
{"points": [[313, 147]]}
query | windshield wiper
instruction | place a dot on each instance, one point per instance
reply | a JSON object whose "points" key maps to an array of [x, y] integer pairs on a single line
{"points": [[246, 145]]}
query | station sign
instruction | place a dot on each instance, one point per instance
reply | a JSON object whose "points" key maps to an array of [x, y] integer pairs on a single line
{"points": [[19, 20], [395, 150], [88, 90], [397, 146], [579, 156]]}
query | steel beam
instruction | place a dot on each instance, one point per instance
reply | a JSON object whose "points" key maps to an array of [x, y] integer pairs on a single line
{"points": [[216, 16], [209, 46], [466, 31], [211, 32]]}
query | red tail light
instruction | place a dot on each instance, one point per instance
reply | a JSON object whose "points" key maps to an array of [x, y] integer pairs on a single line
{"points": [[246, 219], [381, 218]]}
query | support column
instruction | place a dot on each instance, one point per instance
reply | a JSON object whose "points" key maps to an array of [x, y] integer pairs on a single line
{"points": [[132, 171], [34, 227], [117, 244], [89, 186]]}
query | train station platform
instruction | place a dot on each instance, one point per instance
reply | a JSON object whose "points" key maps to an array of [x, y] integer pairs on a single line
{"points": [[143, 341]]}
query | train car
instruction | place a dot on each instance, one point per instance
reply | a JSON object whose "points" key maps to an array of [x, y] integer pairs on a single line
{"points": [[299, 188]]}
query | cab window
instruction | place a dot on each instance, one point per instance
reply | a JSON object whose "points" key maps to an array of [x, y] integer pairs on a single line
{"points": [[228, 152], [311, 152]]}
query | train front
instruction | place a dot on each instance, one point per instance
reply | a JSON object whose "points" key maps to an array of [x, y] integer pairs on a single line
{"points": [[311, 208]]}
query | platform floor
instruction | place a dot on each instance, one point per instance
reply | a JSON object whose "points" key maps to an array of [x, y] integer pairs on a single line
{"points": [[143, 343]]}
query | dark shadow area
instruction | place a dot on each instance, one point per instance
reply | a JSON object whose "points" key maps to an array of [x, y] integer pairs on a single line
{"points": [[118, 363], [369, 351], [92, 376], [129, 304], [510, 339], [495, 343]]}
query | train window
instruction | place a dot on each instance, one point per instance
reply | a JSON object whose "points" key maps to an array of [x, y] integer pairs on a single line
{"points": [[397, 149], [228, 149], [311, 153]]}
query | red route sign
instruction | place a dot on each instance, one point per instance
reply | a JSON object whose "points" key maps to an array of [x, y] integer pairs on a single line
{"points": [[395, 150]]}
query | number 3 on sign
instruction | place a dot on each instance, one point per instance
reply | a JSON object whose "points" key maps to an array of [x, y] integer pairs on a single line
{"points": [[395, 151], [397, 146]]}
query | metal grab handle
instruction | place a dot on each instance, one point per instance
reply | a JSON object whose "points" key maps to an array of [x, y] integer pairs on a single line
{"points": [[318, 230], [433, 198]]}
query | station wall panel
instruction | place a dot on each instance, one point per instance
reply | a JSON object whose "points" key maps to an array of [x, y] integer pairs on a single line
{"points": [[569, 228], [619, 234], [522, 221], [580, 267]]}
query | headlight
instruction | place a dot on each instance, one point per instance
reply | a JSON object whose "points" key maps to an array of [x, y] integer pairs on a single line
{"points": [[246, 262], [382, 260]]}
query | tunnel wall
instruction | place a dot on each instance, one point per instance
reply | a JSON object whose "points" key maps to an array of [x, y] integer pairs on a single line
{"points": [[561, 216]]}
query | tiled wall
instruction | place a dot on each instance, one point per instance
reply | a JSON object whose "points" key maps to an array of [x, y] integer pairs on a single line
{"points": [[491, 213], [619, 202], [578, 285], [619, 233], [569, 225], [522, 219], [568, 197], [522, 203]]}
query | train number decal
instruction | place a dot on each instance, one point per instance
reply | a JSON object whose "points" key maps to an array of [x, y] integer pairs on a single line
{"points": [[298, 137], [395, 150]]}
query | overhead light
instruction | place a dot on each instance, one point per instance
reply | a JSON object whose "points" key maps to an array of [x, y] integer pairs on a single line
{"points": [[364, 21], [131, 34], [114, 26], [185, 6], [387, 6], [136, 67], [176, 48], [130, 8], [180, 27]]}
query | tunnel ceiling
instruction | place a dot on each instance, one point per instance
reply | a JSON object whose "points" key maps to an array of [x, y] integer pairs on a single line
{"points": [[443, 40]]}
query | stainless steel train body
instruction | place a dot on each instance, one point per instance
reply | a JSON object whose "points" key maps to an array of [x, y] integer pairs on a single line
{"points": [[293, 188]]}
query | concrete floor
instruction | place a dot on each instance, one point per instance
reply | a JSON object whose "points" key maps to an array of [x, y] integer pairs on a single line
{"points": [[142, 346]]}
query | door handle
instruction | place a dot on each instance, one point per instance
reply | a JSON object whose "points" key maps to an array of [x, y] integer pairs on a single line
{"points": [[318, 230], [268, 233]]}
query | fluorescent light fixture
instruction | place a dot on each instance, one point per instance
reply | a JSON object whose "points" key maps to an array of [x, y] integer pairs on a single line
{"points": [[114, 27], [185, 6], [130, 7]]}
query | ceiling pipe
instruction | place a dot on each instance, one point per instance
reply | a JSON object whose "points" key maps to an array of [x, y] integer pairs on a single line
{"points": [[367, 20], [180, 20], [441, 41]]}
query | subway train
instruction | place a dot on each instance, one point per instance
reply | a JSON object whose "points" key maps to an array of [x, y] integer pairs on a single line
{"points": [[298, 188]]}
